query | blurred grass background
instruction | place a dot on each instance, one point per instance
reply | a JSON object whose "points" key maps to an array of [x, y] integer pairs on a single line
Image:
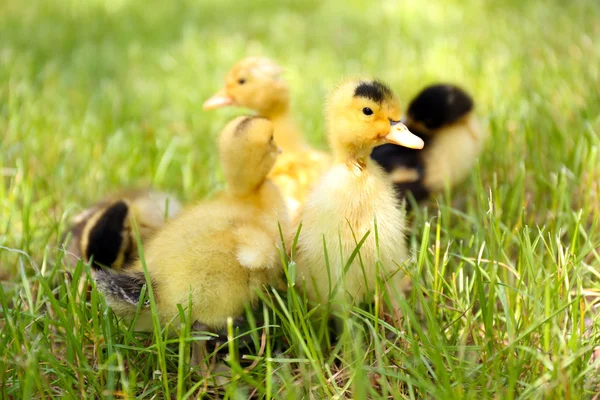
{"points": [[101, 95]]}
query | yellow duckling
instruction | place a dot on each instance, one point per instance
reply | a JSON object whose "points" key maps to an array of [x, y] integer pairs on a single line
{"points": [[104, 232], [442, 115], [350, 196], [218, 252], [257, 83]]}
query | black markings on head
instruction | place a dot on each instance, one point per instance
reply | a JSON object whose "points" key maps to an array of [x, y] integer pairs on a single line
{"points": [[440, 105], [126, 287], [373, 90], [105, 238]]}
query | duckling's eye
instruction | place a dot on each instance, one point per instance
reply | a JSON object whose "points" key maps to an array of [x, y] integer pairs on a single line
{"points": [[272, 139], [367, 111], [241, 81]]}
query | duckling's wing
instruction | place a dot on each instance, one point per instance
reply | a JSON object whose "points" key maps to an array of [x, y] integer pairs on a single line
{"points": [[255, 249]]}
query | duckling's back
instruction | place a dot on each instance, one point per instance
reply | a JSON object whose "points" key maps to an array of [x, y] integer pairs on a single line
{"points": [[196, 255], [455, 152]]}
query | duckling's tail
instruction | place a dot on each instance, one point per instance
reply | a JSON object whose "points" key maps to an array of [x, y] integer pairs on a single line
{"points": [[106, 238], [121, 289]]}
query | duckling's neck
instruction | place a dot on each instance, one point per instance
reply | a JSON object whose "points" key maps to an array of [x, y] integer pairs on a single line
{"points": [[286, 132], [356, 160]]}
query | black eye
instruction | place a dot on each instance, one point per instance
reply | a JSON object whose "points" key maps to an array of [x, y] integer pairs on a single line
{"points": [[241, 81], [367, 111]]}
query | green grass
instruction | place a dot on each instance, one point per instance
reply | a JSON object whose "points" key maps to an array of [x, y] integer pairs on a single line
{"points": [[97, 96]]}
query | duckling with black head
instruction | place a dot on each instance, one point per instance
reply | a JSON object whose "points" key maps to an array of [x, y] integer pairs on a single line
{"points": [[443, 116], [354, 199]]}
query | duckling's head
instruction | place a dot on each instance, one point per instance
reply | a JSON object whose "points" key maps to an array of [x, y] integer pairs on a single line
{"points": [[438, 106], [247, 153], [255, 83], [362, 114]]}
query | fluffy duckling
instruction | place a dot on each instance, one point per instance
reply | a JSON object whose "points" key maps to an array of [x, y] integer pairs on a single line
{"points": [[353, 194], [218, 252], [257, 83], [442, 115], [104, 232]]}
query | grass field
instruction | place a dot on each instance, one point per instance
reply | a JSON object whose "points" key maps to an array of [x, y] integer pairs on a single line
{"points": [[96, 96]]}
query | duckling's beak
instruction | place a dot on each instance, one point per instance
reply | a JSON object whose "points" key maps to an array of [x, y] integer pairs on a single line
{"points": [[401, 136], [220, 99]]}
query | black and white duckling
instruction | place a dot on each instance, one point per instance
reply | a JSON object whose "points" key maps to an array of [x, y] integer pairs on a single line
{"points": [[443, 116], [219, 252], [104, 232], [351, 196]]}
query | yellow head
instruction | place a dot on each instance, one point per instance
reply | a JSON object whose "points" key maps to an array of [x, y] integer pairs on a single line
{"points": [[362, 114], [255, 83], [247, 153]]}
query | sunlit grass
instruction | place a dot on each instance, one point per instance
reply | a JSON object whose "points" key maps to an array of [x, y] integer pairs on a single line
{"points": [[96, 96]]}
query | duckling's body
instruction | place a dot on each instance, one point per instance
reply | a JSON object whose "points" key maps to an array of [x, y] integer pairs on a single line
{"points": [[343, 208], [219, 252], [443, 116], [354, 194], [256, 83], [105, 233], [453, 154]]}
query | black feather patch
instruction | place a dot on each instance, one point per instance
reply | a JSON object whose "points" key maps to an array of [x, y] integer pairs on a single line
{"points": [[126, 287], [392, 157], [440, 105], [105, 239], [375, 90]]}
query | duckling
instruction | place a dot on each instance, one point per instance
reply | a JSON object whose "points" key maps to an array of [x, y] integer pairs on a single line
{"points": [[218, 252], [443, 116], [257, 83], [104, 233], [355, 192]]}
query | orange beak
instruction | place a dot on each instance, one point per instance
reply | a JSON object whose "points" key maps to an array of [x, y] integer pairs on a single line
{"points": [[218, 100], [401, 136]]}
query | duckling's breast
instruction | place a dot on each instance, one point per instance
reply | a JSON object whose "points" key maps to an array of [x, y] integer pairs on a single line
{"points": [[343, 210]]}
